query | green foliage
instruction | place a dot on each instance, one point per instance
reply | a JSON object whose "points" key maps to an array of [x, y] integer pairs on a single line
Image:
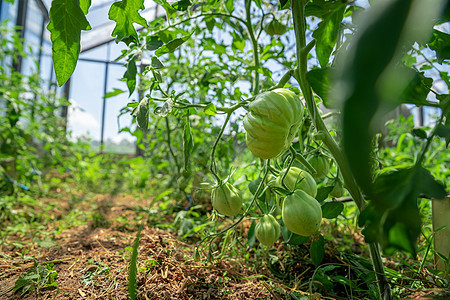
{"points": [[41, 276], [67, 20], [208, 65], [125, 13]]}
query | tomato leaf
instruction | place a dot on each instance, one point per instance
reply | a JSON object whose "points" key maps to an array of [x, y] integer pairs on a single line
{"points": [[188, 143], [171, 46], [251, 236], [284, 4], [327, 33], [141, 113], [211, 109], [125, 14], [153, 42], [156, 63], [67, 20], [440, 43], [331, 210], [181, 5], [320, 83], [322, 193], [361, 70], [317, 250], [114, 93], [419, 132], [417, 90], [392, 218], [130, 74], [84, 5]]}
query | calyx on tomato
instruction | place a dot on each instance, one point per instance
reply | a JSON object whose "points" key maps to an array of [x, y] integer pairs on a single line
{"points": [[226, 199], [298, 179], [321, 164], [275, 27], [267, 230], [301, 213], [272, 122]]}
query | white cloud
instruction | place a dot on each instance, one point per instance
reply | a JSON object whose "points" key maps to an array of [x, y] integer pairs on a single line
{"points": [[82, 123]]}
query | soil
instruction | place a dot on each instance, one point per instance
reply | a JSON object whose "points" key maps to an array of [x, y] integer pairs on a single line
{"points": [[93, 263]]}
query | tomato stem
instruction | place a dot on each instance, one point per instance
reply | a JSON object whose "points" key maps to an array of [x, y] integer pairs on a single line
{"points": [[299, 18]]}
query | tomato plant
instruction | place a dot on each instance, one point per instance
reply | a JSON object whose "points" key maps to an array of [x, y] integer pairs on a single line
{"points": [[213, 60]]}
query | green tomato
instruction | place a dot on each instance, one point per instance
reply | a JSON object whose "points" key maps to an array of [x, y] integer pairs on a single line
{"points": [[226, 199], [321, 164], [267, 230], [272, 122], [338, 189], [301, 213], [275, 27]]}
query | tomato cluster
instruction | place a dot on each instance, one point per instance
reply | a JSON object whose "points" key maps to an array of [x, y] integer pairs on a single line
{"points": [[273, 120]]}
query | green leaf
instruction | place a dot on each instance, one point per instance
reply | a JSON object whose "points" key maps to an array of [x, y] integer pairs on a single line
{"points": [[320, 83], [296, 239], [331, 210], [327, 33], [171, 46], [84, 5], [114, 93], [211, 109], [392, 218], [156, 63], [182, 5], [360, 70], [284, 4], [125, 13], [188, 143], [157, 75], [166, 109], [229, 5], [141, 113], [417, 90], [133, 268], [66, 22], [322, 193], [317, 250], [251, 236], [153, 43], [419, 132], [440, 42], [130, 74]]}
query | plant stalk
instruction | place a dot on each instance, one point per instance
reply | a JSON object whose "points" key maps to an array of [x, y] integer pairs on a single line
{"points": [[299, 18]]}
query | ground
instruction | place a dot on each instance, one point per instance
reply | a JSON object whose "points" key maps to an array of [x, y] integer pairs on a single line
{"points": [[91, 257], [93, 262]]}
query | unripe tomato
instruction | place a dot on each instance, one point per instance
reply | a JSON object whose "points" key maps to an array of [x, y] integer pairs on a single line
{"points": [[226, 199], [275, 27], [301, 213], [338, 189], [321, 164], [299, 177], [267, 230], [272, 122]]}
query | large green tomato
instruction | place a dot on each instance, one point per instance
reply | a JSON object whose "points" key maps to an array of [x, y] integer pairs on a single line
{"points": [[301, 213], [267, 230], [300, 178], [226, 199], [321, 164], [272, 122]]}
